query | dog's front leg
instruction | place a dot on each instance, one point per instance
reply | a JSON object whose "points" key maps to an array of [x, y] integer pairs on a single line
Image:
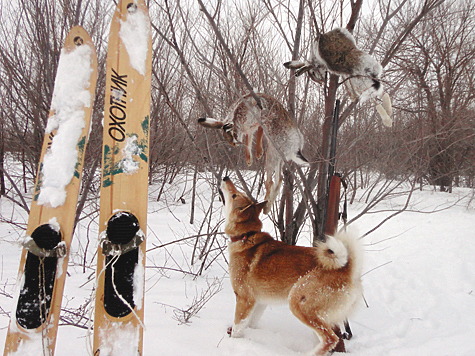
{"points": [[243, 315], [256, 314]]}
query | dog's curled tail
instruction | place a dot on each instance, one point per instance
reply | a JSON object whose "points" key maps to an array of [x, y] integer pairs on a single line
{"points": [[340, 250]]}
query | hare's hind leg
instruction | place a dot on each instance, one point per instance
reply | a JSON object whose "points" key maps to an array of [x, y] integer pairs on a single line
{"points": [[273, 168], [248, 147], [259, 148]]}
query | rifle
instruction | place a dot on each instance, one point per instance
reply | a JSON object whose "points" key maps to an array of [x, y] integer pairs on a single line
{"points": [[334, 183], [333, 180]]}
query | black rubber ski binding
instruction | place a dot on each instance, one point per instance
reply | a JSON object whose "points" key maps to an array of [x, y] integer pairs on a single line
{"points": [[120, 246], [34, 302]]}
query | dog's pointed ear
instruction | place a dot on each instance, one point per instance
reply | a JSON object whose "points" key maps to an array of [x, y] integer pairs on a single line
{"points": [[246, 207], [244, 213], [261, 206]]}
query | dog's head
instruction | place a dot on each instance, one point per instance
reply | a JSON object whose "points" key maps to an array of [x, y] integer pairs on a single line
{"points": [[241, 213]]}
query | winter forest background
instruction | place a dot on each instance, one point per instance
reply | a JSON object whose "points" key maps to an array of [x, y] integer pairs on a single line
{"points": [[427, 50]]}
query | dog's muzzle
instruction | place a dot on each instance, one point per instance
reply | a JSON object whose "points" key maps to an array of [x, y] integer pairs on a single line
{"points": [[220, 191]]}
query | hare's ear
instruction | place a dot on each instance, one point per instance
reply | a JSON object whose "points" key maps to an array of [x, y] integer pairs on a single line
{"points": [[387, 104], [294, 64], [387, 121], [260, 206], [210, 123]]}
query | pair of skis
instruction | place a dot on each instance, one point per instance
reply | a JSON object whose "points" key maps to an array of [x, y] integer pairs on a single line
{"points": [[118, 321]]}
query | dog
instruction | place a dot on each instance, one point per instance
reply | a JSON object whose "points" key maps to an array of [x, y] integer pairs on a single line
{"points": [[322, 285], [240, 125], [336, 52]]}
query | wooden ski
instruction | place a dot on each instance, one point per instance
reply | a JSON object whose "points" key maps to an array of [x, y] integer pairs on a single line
{"points": [[118, 321], [44, 259]]}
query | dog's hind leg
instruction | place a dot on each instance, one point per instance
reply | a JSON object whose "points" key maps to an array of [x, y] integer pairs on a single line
{"points": [[326, 335], [303, 305]]}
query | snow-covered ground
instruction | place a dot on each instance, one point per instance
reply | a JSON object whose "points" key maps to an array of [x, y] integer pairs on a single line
{"points": [[419, 281]]}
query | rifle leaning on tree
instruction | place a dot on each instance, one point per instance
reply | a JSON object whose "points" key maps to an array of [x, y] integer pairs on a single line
{"points": [[332, 209]]}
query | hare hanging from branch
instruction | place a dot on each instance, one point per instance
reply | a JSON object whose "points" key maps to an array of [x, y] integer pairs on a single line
{"points": [[244, 119], [336, 52]]}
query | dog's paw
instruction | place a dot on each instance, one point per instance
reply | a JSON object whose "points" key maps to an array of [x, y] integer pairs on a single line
{"points": [[234, 331]]}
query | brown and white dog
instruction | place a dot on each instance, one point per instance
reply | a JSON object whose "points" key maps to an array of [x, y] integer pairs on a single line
{"points": [[336, 51], [322, 285], [242, 122]]}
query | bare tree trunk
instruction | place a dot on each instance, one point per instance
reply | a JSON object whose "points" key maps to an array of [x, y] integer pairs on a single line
{"points": [[287, 191], [295, 56], [193, 195], [2, 157], [287, 210], [86, 185], [25, 188]]}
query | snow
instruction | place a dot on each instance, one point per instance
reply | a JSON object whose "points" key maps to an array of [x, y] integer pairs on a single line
{"points": [[131, 148], [419, 281], [31, 346], [139, 276], [54, 224], [70, 95], [134, 33], [123, 341]]}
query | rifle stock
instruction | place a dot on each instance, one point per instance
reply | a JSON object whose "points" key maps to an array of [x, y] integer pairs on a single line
{"points": [[333, 205]]}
